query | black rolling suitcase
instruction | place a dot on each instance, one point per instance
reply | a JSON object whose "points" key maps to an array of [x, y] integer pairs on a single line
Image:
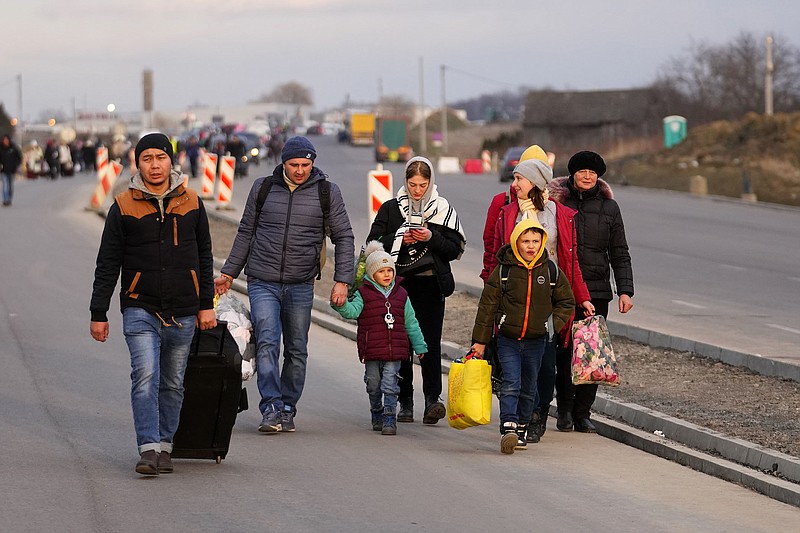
{"points": [[213, 396]]}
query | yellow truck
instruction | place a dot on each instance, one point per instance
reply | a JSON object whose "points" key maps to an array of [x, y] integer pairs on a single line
{"points": [[362, 129]]}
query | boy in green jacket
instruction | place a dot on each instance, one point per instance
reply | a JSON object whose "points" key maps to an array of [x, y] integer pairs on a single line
{"points": [[521, 306]]}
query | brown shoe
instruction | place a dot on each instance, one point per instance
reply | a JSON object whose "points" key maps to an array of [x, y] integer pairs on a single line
{"points": [[148, 463], [165, 463]]}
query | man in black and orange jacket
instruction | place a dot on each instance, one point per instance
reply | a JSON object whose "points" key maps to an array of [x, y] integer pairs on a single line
{"points": [[156, 233]]}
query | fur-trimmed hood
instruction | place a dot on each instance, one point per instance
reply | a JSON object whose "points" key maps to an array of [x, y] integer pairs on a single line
{"points": [[561, 188]]}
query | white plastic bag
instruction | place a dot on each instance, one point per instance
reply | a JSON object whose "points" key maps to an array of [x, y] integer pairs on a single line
{"points": [[233, 311]]}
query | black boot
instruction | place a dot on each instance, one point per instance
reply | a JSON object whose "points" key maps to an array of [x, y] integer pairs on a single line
{"points": [[564, 421], [537, 425], [584, 425], [542, 427], [434, 410], [406, 413]]}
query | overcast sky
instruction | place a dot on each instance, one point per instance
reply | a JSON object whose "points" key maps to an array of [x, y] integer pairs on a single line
{"points": [[227, 52]]}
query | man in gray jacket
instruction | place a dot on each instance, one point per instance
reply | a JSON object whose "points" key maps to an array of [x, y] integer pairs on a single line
{"points": [[278, 245]]}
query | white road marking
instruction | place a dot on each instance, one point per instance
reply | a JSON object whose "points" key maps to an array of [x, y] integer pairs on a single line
{"points": [[732, 267], [687, 304], [784, 328], [792, 278]]}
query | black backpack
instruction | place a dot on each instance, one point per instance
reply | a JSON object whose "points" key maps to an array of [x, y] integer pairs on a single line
{"points": [[324, 191]]}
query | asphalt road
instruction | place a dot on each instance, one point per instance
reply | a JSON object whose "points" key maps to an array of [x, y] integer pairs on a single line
{"points": [[68, 447]]}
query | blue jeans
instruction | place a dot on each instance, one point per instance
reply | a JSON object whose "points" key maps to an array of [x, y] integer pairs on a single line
{"points": [[280, 309], [520, 361], [8, 187], [382, 379], [158, 363]]}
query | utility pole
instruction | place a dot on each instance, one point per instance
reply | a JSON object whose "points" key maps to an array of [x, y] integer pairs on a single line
{"points": [[768, 79], [444, 116], [423, 132], [380, 95], [20, 121]]}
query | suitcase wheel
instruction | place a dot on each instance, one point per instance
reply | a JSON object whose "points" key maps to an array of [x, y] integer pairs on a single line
{"points": [[219, 459]]}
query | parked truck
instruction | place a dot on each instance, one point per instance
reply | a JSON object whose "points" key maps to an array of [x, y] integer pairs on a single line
{"points": [[362, 129], [391, 140]]}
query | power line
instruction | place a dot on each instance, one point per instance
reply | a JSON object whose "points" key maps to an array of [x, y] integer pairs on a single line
{"points": [[478, 76]]}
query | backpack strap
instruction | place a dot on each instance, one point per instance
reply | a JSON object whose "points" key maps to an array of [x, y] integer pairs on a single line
{"points": [[324, 193], [324, 189], [504, 270], [552, 269], [266, 185]]}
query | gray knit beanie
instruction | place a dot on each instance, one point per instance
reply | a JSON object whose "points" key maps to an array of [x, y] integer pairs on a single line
{"points": [[377, 258], [537, 172]]}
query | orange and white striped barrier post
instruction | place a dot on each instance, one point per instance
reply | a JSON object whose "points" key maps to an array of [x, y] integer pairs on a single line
{"points": [[209, 176], [112, 172], [225, 181], [103, 186], [379, 190], [486, 159]]}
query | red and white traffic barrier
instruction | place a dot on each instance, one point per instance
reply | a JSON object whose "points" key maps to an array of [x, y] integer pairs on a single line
{"points": [[226, 180], [107, 174], [103, 186], [379, 190], [486, 159], [209, 176]]}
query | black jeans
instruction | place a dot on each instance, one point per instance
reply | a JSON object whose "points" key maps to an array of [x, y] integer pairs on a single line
{"points": [[573, 399], [428, 303], [547, 375]]}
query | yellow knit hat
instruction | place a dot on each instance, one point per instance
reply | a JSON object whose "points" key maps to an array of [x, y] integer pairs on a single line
{"points": [[534, 152]]}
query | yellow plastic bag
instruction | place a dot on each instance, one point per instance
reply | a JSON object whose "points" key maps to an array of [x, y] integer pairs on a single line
{"points": [[469, 393]]}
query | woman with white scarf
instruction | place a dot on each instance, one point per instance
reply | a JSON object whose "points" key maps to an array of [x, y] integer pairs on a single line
{"points": [[422, 232]]}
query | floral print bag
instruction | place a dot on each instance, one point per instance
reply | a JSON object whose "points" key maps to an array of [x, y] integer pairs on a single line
{"points": [[593, 360]]}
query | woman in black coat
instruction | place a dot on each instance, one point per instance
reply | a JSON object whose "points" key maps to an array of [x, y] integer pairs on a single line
{"points": [[423, 234], [602, 247]]}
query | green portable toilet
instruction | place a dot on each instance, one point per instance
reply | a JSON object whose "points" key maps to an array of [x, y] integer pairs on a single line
{"points": [[674, 130]]}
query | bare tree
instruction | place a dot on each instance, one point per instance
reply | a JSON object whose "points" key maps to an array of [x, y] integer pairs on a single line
{"points": [[726, 81], [5, 122], [289, 93]]}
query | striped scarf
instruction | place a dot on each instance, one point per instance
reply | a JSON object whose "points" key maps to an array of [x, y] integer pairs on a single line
{"points": [[437, 210]]}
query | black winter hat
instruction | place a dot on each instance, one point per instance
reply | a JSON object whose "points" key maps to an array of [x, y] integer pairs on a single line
{"points": [[158, 141], [298, 147], [586, 160]]}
